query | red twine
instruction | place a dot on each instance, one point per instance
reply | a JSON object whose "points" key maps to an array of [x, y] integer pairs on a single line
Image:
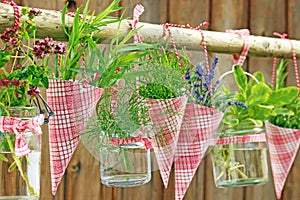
{"points": [[137, 12], [147, 143], [16, 13], [285, 37]]}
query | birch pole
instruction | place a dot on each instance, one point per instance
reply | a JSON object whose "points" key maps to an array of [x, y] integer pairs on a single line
{"points": [[49, 25]]}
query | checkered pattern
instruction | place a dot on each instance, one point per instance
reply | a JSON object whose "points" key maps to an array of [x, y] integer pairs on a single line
{"points": [[17, 126], [240, 139], [166, 117], [244, 33], [283, 147], [72, 104], [198, 127], [137, 12]]}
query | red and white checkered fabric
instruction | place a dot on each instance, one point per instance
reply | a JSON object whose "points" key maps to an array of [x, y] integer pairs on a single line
{"points": [[244, 33], [166, 118], [18, 126], [73, 104], [283, 147], [199, 125], [240, 139]]}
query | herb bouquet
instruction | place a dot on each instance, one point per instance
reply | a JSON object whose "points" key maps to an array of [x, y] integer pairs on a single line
{"points": [[165, 97], [70, 96], [199, 124], [23, 71], [118, 131], [240, 156], [283, 130]]}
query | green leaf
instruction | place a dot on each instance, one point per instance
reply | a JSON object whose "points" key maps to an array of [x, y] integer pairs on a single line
{"points": [[240, 78], [259, 94], [231, 122], [260, 112], [257, 123], [283, 96], [283, 111], [12, 167], [3, 158]]}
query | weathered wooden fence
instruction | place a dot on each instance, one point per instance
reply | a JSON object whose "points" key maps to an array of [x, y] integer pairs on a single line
{"points": [[82, 179]]}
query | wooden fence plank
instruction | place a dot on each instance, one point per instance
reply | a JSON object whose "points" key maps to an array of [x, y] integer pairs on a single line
{"points": [[154, 189], [159, 7], [51, 5], [291, 190], [229, 14], [224, 16], [264, 22], [192, 12], [293, 27]]}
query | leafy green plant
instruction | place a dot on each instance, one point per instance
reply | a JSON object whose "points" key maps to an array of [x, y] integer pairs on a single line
{"points": [[290, 118], [115, 67], [165, 79], [80, 36], [23, 70], [255, 101]]}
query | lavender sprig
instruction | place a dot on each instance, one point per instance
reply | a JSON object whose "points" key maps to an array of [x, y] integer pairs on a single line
{"points": [[199, 81]]}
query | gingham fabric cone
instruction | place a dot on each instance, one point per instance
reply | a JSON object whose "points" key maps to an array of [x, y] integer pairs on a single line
{"points": [[166, 117], [283, 147], [73, 104], [198, 127]]}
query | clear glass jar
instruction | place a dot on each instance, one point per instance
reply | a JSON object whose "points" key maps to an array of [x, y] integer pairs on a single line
{"points": [[240, 164], [125, 165], [20, 181]]}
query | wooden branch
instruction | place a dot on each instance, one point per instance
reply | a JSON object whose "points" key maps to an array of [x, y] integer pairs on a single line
{"points": [[49, 25]]}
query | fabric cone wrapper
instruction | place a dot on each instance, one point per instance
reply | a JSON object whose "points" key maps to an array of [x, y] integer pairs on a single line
{"points": [[283, 147], [199, 125], [166, 118], [73, 104]]}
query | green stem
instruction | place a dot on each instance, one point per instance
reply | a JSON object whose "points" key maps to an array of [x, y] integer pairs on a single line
{"points": [[19, 165]]}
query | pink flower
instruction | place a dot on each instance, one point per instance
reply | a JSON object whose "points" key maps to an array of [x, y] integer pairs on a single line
{"points": [[60, 48], [16, 82], [4, 82], [33, 91]]}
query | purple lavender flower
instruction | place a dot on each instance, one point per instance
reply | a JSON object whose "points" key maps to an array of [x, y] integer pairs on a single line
{"points": [[187, 74], [238, 103], [200, 82]]}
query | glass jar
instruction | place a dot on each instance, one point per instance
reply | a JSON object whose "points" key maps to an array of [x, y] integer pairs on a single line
{"points": [[20, 177], [240, 164], [125, 165]]}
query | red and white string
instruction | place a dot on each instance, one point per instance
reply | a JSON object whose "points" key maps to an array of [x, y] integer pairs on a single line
{"points": [[285, 37], [16, 13]]}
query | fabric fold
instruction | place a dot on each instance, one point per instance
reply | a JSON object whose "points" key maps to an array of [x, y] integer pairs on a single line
{"points": [[199, 125], [283, 147], [73, 103], [166, 118]]}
